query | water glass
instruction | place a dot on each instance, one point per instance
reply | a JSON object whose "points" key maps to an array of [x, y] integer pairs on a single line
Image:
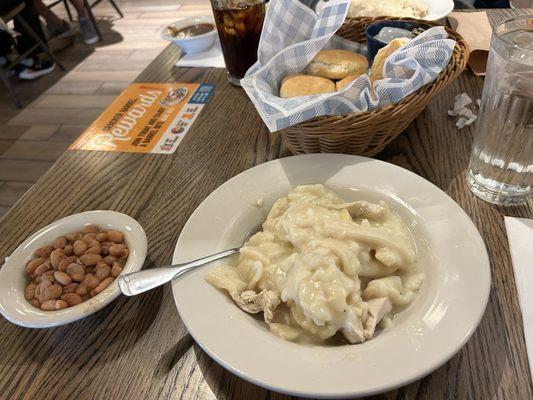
{"points": [[501, 163]]}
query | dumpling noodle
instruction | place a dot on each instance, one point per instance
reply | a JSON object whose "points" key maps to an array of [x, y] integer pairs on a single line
{"points": [[322, 266]]}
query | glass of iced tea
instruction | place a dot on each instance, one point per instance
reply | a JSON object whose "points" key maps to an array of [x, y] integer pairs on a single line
{"points": [[239, 24]]}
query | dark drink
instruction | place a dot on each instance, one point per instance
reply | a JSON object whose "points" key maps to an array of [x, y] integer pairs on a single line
{"points": [[239, 25]]}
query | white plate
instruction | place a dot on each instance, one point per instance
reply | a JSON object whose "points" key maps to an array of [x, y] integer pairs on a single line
{"points": [[437, 324], [437, 8], [13, 305]]}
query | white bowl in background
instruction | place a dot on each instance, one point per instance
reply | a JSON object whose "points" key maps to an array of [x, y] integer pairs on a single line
{"points": [[15, 308], [194, 44]]}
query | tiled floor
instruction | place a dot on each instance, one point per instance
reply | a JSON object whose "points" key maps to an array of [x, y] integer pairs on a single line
{"points": [[58, 107]]}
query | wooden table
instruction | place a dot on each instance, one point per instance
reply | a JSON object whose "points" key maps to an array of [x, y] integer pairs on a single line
{"points": [[138, 348]]}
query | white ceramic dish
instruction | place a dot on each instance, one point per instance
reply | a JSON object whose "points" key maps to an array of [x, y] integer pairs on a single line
{"points": [[437, 8], [195, 44], [18, 310], [425, 335]]}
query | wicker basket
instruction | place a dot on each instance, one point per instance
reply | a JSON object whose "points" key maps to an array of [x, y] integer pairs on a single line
{"points": [[369, 132]]}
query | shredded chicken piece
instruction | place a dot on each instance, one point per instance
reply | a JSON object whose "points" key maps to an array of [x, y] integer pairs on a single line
{"points": [[362, 209], [356, 329], [377, 309], [353, 328], [266, 301]]}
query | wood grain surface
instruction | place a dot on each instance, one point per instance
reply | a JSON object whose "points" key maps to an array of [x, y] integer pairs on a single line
{"points": [[137, 348]]}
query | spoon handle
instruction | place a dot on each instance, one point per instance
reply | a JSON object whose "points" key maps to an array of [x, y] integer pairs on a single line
{"points": [[141, 281]]}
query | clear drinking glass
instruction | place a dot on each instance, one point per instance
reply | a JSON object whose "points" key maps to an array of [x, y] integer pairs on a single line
{"points": [[239, 24], [501, 163]]}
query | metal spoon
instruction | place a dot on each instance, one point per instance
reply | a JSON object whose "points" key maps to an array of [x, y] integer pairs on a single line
{"points": [[138, 282]]}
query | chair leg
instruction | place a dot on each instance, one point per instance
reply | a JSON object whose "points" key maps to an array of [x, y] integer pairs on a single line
{"points": [[93, 20], [116, 8], [67, 7], [7, 83], [39, 41]]}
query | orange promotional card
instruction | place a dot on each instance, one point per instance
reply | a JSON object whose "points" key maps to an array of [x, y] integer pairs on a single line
{"points": [[147, 118]]}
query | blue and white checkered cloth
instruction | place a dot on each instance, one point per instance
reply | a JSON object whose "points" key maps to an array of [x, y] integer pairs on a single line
{"points": [[293, 34]]}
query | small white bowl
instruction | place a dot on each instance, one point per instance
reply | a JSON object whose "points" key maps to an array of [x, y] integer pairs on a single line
{"points": [[15, 308], [194, 44]]}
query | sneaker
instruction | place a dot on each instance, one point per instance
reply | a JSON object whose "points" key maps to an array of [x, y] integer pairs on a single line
{"points": [[64, 31], [87, 30], [27, 62], [39, 68], [14, 70]]}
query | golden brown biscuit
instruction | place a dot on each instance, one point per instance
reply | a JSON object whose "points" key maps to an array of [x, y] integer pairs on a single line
{"points": [[337, 64], [343, 82], [376, 72], [303, 85]]}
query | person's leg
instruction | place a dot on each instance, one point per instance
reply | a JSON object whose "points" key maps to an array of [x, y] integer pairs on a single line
{"points": [[87, 29], [25, 41], [7, 45], [50, 17], [80, 8], [7, 41], [41, 65], [57, 27]]}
